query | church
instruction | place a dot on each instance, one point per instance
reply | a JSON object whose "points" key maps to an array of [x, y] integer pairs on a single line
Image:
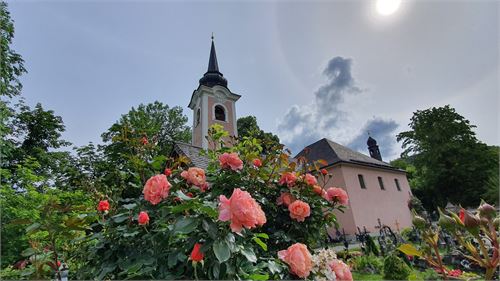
{"points": [[378, 193]]}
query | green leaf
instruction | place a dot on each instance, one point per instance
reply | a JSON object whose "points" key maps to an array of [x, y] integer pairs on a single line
{"points": [[32, 228], [216, 270], [172, 260], [182, 207], [130, 234], [120, 218], [262, 235], [260, 243], [210, 228], [185, 225], [28, 252], [409, 250], [249, 254], [273, 267], [258, 276], [221, 250], [183, 196], [129, 206]]}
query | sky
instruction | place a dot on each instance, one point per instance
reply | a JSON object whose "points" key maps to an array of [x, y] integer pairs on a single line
{"points": [[306, 69]]}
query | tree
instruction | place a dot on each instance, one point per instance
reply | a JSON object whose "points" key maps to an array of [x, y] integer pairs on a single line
{"points": [[141, 140], [11, 63], [452, 164], [248, 127]]}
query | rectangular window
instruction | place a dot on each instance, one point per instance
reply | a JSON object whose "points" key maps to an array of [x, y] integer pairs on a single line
{"points": [[381, 183], [362, 181], [397, 184]]}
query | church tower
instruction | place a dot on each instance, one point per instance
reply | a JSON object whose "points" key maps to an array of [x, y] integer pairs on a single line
{"points": [[373, 149], [212, 103]]}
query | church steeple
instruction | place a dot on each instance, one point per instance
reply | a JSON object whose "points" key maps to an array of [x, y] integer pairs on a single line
{"points": [[373, 148], [213, 77], [213, 103]]}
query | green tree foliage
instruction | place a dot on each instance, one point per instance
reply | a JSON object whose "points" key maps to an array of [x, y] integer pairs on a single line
{"points": [[452, 164], [140, 141], [11, 63], [248, 127]]}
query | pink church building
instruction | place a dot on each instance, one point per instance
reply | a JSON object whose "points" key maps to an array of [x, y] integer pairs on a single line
{"points": [[377, 191]]}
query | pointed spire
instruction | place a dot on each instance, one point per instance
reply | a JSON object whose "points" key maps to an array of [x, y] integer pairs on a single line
{"points": [[212, 63], [213, 76]]}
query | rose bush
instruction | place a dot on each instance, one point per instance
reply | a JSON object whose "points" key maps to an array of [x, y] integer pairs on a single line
{"points": [[237, 219]]}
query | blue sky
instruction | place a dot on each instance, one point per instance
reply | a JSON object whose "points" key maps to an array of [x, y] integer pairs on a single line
{"points": [[93, 61]]}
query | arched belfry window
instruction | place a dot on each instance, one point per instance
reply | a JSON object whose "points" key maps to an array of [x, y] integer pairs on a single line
{"points": [[198, 113], [220, 113]]}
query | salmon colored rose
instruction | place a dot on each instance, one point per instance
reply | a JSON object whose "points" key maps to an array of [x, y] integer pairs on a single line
{"points": [[298, 259], [342, 271], [288, 178], [156, 189], [196, 253], [242, 210], [257, 163], [230, 161], [143, 218], [337, 194], [318, 189], [103, 206], [310, 179], [285, 199], [195, 176], [299, 210]]}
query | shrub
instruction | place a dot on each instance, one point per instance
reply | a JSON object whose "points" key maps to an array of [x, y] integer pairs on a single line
{"points": [[431, 274], [395, 268], [188, 211], [368, 264]]}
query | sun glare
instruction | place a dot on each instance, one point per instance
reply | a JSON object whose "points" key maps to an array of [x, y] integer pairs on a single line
{"points": [[387, 7]]}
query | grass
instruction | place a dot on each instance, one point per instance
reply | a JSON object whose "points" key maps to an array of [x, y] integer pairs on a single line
{"points": [[366, 276]]}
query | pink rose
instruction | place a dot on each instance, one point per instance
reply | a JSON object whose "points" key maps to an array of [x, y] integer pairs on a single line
{"points": [[257, 163], [299, 210], [143, 218], [285, 199], [242, 210], [298, 258], [342, 271], [195, 176], [310, 179], [230, 161], [337, 194], [288, 178], [156, 189]]}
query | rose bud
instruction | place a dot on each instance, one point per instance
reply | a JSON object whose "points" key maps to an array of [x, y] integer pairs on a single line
{"points": [[197, 254], [419, 222], [496, 222], [324, 172], [103, 206], [469, 220], [257, 163], [446, 222], [486, 211], [167, 172], [143, 218]]}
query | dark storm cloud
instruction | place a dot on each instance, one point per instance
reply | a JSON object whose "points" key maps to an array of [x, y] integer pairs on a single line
{"points": [[383, 131], [305, 124]]}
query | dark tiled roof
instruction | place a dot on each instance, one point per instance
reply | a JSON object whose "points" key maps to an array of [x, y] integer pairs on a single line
{"points": [[333, 153], [193, 153]]}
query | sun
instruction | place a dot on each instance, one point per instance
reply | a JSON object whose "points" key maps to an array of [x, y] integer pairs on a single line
{"points": [[387, 7]]}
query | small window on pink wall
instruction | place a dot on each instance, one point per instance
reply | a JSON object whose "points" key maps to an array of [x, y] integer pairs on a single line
{"points": [[361, 181], [397, 184], [220, 113]]}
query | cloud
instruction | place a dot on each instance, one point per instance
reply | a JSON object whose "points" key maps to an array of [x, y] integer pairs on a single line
{"points": [[331, 114], [305, 124], [383, 131]]}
